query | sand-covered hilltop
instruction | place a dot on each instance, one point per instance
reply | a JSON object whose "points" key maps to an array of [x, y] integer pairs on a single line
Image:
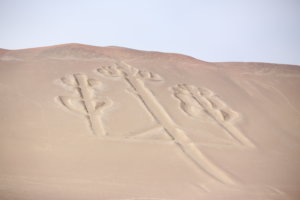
{"points": [[83, 122]]}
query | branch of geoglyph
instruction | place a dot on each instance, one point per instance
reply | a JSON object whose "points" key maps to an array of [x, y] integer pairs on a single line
{"points": [[84, 86], [215, 105], [73, 81], [123, 69], [111, 71], [187, 103], [148, 76], [204, 99]]}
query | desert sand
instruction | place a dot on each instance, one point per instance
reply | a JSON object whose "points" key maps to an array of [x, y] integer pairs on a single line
{"points": [[80, 122]]}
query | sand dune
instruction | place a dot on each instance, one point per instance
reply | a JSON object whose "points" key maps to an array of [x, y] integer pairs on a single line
{"points": [[86, 122]]}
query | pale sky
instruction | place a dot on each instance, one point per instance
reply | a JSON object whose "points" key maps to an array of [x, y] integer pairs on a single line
{"points": [[211, 30]]}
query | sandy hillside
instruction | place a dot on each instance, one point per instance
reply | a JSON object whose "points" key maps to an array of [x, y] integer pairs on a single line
{"points": [[80, 122]]}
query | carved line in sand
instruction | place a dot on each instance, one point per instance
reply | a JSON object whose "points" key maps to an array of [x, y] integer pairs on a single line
{"points": [[202, 102], [86, 103], [135, 80]]}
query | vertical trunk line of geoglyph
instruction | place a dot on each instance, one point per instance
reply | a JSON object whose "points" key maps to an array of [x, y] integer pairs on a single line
{"points": [[130, 82], [179, 136], [95, 123]]}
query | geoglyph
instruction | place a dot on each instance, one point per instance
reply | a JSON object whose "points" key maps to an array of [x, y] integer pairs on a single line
{"points": [[194, 101]]}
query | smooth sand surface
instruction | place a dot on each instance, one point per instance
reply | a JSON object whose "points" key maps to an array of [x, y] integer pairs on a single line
{"points": [[80, 122]]}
